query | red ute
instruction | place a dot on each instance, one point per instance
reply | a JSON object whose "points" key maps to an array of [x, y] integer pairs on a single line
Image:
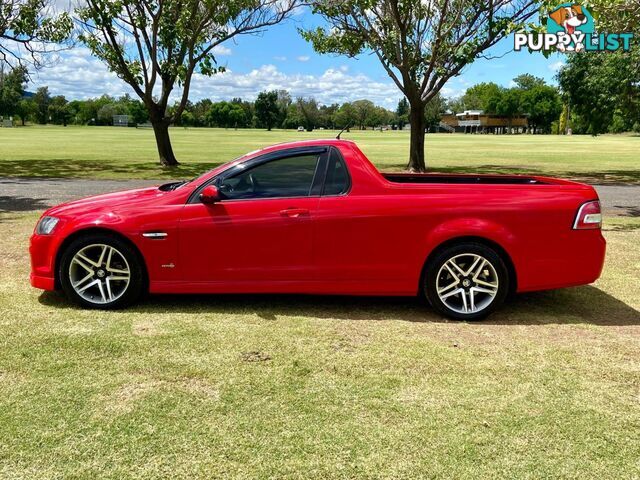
{"points": [[317, 217]]}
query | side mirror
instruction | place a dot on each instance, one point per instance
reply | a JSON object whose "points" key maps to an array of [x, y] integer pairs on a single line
{"points": [[210, 194]]}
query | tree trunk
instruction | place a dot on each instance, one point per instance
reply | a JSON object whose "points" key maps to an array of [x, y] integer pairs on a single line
{"points": [[416, 148], [165, 150]]}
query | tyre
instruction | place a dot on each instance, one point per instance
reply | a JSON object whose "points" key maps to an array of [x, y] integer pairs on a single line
{"points": [[466, 281], [101, 271]]}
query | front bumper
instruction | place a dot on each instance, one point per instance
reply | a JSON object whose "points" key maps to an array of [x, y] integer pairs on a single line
{"points": [[43, 283], [42, 250]]}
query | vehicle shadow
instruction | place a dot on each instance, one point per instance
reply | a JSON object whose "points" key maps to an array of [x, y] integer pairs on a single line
{"points": [[79, 168], [579, 305]]}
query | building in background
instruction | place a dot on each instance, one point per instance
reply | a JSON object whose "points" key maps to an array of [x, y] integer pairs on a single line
{"points": [[476, 121]]}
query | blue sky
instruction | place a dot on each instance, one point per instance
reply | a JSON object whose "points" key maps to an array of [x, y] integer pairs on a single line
{"points": [[280, 58]]}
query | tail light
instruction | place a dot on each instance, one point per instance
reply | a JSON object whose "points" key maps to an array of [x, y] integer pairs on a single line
{"points": [[589, 216]]}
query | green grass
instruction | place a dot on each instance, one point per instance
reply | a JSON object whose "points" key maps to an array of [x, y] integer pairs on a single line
{"points": [[108, 152], [300, 387]]}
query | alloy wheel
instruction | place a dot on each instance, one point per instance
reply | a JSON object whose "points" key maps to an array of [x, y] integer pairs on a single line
{"points": [[99, 273], [467, 283]]}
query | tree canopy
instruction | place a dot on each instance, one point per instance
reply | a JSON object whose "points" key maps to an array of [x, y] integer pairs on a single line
{"points": [[12, 85], [603, 88], [29, 30], [421, 45], [154, 45]]}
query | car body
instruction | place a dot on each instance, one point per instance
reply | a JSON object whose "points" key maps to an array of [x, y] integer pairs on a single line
{"points": [[317, 217]]}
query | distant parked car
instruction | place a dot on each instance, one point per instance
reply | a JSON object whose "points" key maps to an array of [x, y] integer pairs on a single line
{"points": [[301, 129], [317, 217]]}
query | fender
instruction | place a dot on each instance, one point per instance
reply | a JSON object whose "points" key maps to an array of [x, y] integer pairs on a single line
{"points": [[471, 227]]}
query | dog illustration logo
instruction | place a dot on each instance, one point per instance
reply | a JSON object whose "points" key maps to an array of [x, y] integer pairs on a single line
{"points": [[573, 21], [570, 28]]}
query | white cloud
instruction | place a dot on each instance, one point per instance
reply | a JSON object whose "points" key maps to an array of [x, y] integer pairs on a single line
{"points": [[280, 59], [556, 66], [303, 58], [221, 50], [79, 75], [334, 85]]}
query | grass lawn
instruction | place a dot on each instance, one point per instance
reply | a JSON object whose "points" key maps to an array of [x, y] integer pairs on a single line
{"points": [[109, 152], [300, 387]]}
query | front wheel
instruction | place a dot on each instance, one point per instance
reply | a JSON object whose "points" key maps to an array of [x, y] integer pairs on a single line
{"points": [[101, 271], [466, 281]]}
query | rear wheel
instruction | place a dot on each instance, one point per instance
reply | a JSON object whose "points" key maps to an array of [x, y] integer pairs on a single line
{"points": [[466, 281], [101, 271]]}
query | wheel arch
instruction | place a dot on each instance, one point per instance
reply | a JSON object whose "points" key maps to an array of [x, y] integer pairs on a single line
{"points": [[97, 230], [499, 249]]}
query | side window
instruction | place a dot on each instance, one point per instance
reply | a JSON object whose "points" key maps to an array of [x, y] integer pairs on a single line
{"points": [[337, 181], [286, 177]]}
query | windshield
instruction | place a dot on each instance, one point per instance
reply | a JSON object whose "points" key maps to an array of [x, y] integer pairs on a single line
{"points": [[174, 185]]}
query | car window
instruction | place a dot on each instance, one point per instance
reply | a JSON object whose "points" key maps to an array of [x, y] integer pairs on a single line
{"points": [[286, 177], [337, 181]]}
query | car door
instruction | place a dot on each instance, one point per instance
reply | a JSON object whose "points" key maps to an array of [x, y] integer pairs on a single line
{"points": [[362, 239], [261, 230]]}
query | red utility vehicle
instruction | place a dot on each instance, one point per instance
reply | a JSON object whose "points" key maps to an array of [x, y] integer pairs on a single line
{"points": [[317, 217]]}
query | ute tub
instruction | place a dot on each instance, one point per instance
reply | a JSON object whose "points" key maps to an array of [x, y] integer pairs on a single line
{"points": [[463, 179]]}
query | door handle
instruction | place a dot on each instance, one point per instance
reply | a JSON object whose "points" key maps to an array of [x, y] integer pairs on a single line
{"points": [[294, 212]]}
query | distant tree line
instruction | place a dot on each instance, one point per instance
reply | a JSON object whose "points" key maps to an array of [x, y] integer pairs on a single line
{"points": [[271, 109], [606, 100]]}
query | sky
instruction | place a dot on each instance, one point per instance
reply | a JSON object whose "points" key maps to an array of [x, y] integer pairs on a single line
{"points": [[281, 59]]}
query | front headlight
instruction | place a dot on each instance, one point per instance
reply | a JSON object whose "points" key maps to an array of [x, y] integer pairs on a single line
{"points": [[46, 225]]}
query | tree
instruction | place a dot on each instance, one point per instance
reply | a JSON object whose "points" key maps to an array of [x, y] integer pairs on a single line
{"points": [[477, 97], [308, 112], [25, 109], [293, 118], [226, 115], [11, 89], [107, 112], [543, 105], [433, 111], [526, 81], [345, 116], [200, 109], [58, 110], [420, 44], [327, 115], [28, 27], [42, 99], [363, 109], [284, 102], [379, 116], [505, 102], [137, 113], [155, 44], [456, 105], [402, 112], [267, 109], [596, 85]]}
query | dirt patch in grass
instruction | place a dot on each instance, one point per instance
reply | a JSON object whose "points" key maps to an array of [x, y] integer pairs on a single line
{"points": [[350, 336], [147, 328], [255, 356], [123, 400]]}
